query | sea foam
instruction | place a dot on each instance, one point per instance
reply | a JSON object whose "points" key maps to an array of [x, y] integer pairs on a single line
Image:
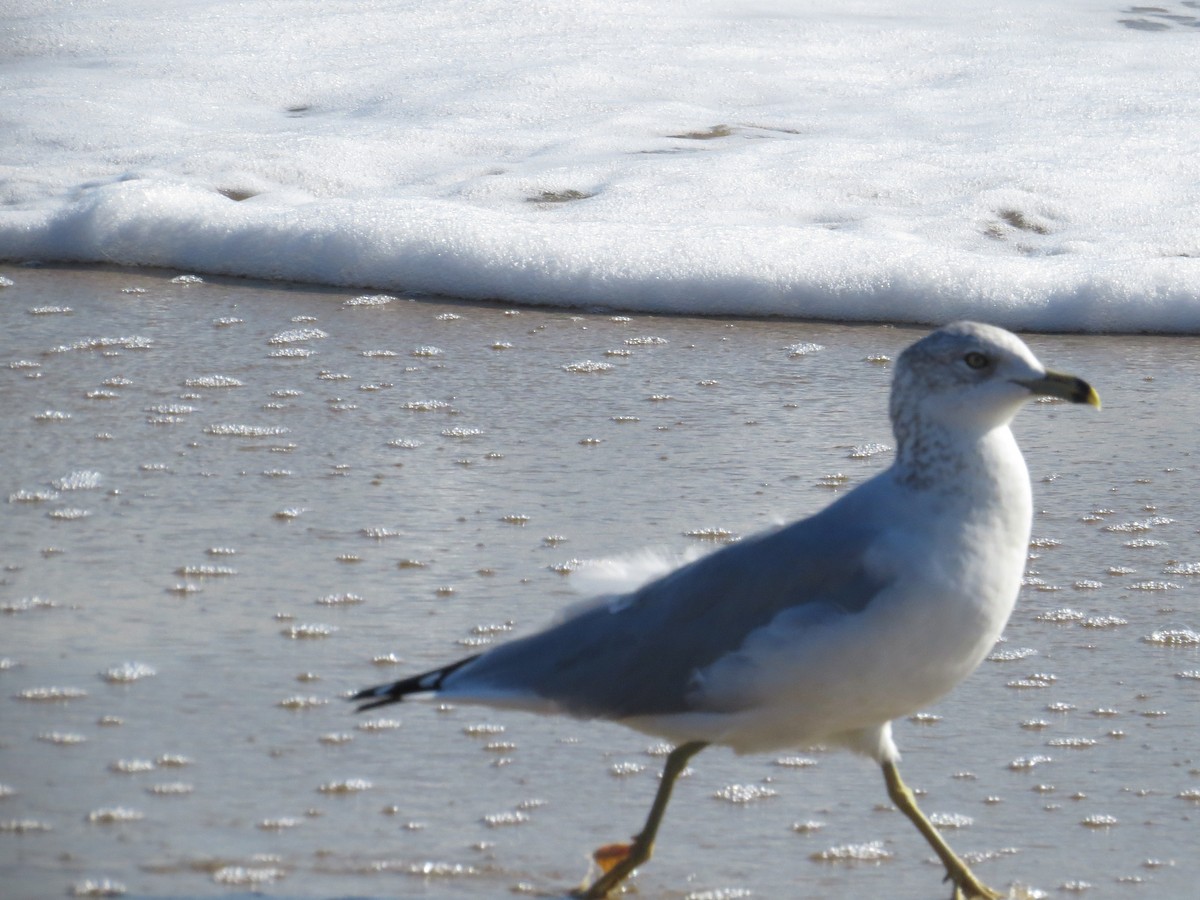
{"points": [[1032, 164]]}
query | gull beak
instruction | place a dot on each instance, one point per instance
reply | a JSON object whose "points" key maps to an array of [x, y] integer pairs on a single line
{"points": [[1065, 387]]}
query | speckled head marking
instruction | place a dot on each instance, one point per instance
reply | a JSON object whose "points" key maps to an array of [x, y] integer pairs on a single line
{"points": [[962, 381]]}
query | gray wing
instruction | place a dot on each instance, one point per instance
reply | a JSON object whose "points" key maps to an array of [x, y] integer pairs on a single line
{"points": [[637, 654]]}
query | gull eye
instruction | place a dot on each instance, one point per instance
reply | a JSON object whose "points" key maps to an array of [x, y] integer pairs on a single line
{"points": [[976, 360]]}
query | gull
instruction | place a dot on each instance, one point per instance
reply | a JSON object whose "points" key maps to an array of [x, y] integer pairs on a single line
{"points": [[821, 632]]}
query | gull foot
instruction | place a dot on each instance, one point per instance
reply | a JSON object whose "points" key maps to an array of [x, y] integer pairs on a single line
{"points": [[968, 887], [617, 862], [610, 855]]}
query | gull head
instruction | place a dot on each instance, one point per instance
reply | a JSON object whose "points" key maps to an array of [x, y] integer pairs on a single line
{"points": [[971, 378]]}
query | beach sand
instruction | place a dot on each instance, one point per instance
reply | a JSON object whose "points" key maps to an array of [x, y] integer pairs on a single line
{"points": [[230, 503]]}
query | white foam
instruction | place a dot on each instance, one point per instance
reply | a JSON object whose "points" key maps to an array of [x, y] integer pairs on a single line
{"points": [[1031, 164]]}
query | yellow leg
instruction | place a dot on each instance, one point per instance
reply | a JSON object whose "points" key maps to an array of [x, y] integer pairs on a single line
{"points": [[966, 885], [643, 843]]}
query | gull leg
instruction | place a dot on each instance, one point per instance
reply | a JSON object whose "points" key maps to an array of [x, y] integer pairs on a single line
{"points": [[643, 843], [966, 885]]}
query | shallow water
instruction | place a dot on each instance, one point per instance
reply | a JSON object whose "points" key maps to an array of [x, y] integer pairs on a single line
{"points": [[195, 574]]}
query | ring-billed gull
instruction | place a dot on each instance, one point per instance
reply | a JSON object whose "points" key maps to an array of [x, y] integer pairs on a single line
{"points": [[823, 631]]}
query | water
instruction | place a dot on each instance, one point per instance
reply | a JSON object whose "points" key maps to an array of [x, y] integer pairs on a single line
{"points": [[221, 592], [1033, 164]]}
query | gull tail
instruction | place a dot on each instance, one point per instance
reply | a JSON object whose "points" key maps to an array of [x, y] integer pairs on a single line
{"points": [[395, 691]]}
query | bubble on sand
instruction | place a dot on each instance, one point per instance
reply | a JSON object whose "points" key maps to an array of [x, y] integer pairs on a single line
{"points": [[587, 367], [795, 762], [171, 789], [114, 815], [78, 481], [504, 819], [1177, 568], [35, 496], [131, 766], [26, 604], [242, 876], [127, 673], [345, 786], [745, 793], [719, 535], [949, 821], [280, 824], [804, 348], [374, 725], [212, 381], [1012, 654], [98, 887], [425, 405], [205, 571], [308, 631], [23, 826], [297, 335], [62, 739], [625, 769], [646, 341], [1064, 614], [339, 600], [870, 852], [1173, 637], [866, 451], [51, 694], [300, 703], [1025, 763], [234, 430]]}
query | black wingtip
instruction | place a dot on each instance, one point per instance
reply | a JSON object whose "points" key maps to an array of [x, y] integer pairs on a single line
{"points": [[396, 691], [393, 692]]}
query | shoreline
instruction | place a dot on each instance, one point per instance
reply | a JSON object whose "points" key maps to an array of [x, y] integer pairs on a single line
{"points": [[285, 284]]}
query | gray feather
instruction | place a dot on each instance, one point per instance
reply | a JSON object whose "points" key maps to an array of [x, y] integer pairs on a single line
{"points": [[637, 654]]}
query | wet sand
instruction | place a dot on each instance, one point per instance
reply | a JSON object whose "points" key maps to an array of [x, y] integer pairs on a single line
{"points": [[227, 504]]}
